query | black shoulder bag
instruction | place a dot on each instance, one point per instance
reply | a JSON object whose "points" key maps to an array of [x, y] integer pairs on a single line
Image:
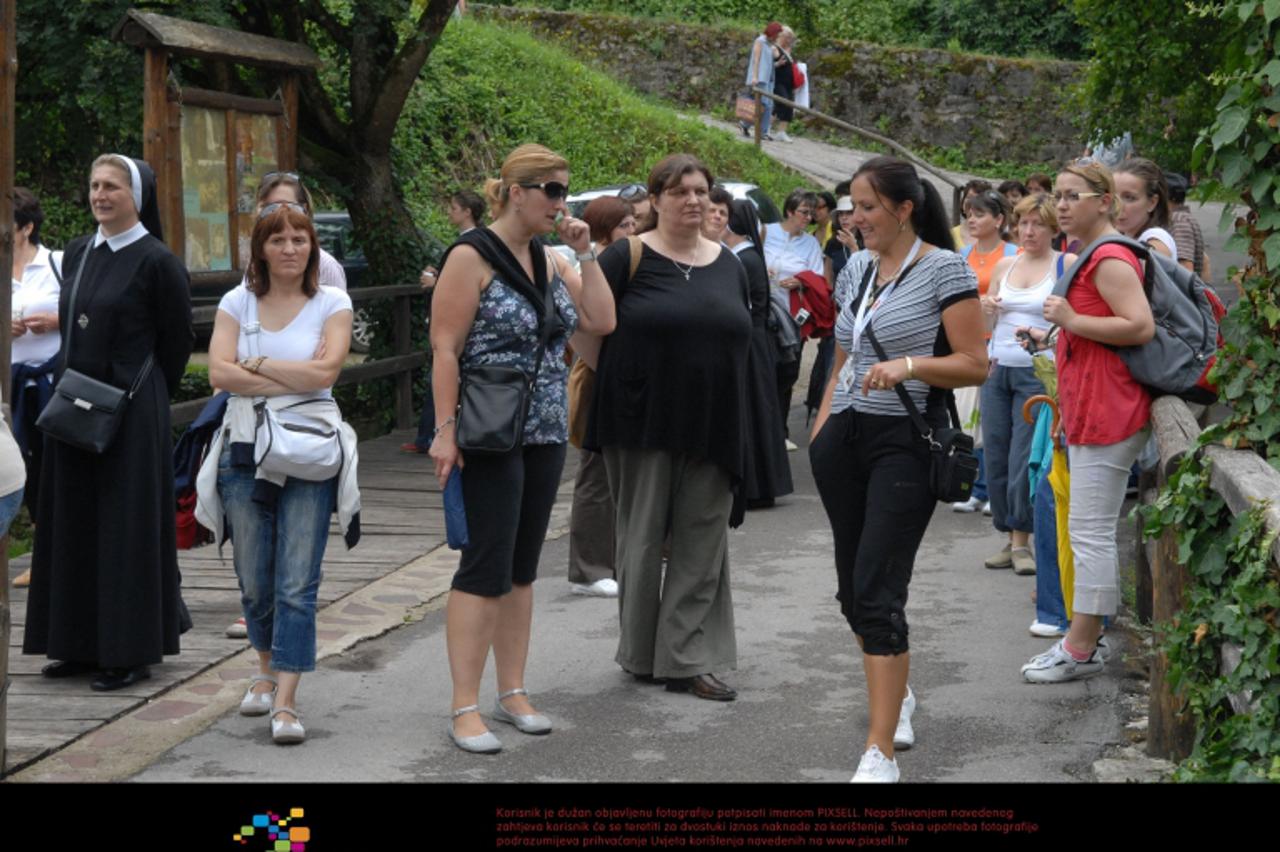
{"points": [[493, 400], [953, 467], [83, 411]]}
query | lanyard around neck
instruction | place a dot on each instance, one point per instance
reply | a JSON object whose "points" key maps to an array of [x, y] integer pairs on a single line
{"points": [[881, 295]]}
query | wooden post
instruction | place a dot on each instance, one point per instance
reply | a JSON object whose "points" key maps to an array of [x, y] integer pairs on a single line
{"points": [[403, 313], [155, 136], [8, 80], [288, 139], [1170, 732], [759, 117]]}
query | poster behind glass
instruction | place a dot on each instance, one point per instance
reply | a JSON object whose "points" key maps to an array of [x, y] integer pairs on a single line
{"points": [[204, 189], [257, 154]]}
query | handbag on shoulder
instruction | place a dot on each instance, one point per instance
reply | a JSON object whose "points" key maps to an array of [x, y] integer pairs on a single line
{"points": [[84, 412]]}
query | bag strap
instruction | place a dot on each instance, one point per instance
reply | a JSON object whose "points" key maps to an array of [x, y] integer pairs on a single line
{"points": [[912, 411], [637, 252], [549, 305]]}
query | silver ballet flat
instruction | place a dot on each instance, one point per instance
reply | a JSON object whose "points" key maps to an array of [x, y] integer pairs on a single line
{"points": [[485, 743], [285, 731], [258, 703], [533, 723]]}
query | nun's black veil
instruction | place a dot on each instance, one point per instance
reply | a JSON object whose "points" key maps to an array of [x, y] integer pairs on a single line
{"points": [[149, 215]]}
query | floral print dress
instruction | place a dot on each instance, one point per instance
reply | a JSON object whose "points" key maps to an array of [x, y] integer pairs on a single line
{"points": [[505, 333]]}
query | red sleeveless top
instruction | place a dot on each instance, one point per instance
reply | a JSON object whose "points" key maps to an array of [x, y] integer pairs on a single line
{"points": [[1101, 402]]}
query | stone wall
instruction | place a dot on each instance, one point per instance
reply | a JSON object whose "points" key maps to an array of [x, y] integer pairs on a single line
{"points": [[1013, 110]]}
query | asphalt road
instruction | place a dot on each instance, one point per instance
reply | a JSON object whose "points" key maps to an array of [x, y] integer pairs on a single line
{"points": [[378, 712]]}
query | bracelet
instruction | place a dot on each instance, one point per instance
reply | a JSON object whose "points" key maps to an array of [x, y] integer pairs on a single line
{"points": [[586, 256], [436, 431], [911, 370]]}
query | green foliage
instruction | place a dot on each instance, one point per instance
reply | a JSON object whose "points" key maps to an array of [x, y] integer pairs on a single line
{"points": [[1036, 27], [194, 384], [1149, 71], [1234, 596]]}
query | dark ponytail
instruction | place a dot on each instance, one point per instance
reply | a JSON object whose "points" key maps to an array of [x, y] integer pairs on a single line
{"points": [[897, 181]]}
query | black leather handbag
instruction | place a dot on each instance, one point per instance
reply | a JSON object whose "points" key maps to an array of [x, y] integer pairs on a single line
{"points": [[85, 412], [953, 466], [493, 401]]}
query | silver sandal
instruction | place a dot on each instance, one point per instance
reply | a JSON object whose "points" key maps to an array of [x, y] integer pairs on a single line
{"points": [[529, 723], [284, 732], [485, 743], [258, 703]]}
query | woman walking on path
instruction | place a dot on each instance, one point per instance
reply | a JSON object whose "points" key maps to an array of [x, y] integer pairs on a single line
{"points": [[283, 337], [591, 538], [104, 583], [488, 310], [870, 463], [1019, 286], [1105, 413], [669, 410], [784, 84], [760, 74], [767, 473]]}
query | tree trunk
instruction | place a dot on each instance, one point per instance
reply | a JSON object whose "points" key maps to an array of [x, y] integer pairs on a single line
{"points": [[383, 223]]}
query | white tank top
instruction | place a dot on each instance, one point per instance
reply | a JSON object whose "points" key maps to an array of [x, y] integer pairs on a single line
{"points": [[1020, 307]]}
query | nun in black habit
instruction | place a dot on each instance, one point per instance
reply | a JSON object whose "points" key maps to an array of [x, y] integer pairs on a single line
{"points": [[104, 583]]}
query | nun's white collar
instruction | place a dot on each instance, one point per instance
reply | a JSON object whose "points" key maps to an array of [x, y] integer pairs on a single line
{"points": [[120, 241]]}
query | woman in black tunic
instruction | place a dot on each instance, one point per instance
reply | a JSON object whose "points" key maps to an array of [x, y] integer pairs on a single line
{"points": [[766, 473], [783, 84], [104, 586]]}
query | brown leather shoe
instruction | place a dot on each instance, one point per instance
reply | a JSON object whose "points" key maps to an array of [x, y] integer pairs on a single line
{"points": [[703, 686]]}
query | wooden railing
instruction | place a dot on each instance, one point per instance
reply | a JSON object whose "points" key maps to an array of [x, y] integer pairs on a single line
{"points": [[1244, 480], [401, 364]]}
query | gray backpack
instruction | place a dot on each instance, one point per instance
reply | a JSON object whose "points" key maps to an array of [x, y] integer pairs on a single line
{"points": [[1186, 313]]}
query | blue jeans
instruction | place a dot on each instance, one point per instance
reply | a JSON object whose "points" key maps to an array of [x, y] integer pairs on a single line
{"points": [[9, 506], [277, 552], [766, 114], [1050, 606], [1006, 437], [979, 491]]}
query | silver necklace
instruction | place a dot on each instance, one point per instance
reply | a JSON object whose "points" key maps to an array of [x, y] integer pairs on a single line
{"points": [[689, 270]]}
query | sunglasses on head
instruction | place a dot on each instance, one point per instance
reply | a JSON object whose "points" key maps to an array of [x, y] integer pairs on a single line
{"points": [[634, 192], [293, 176], [553, 189], [274, 206]]}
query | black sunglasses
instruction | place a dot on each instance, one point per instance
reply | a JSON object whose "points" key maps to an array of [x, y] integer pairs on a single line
{"points": [[553, 189]]}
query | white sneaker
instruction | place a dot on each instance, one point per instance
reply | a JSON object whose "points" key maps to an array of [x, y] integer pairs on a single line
{"points": [[1104, 648], [875, 768], [782, 136], [905, 736], [606, 588], [986, 508], [1045, 630], [237, 630], [1057, 666], [792, 446], [971, 505]]}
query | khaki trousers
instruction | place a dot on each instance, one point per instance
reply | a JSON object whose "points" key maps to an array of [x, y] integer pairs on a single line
{"points": [[679, 625]]}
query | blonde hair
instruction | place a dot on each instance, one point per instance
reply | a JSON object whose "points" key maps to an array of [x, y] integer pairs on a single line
{"points": [[530, 163], [117, 161], [1042, 205], [1099, 179]]}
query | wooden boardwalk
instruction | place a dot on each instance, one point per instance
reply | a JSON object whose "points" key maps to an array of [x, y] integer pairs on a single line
{"points": [[401, 519]]}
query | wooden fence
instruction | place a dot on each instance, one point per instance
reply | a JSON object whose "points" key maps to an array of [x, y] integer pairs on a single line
{"points": [[1244, 480], [402, 363]]}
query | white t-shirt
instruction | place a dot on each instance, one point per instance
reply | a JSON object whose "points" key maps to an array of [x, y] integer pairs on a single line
{"points": [[786, 255], [295, 342], [36, 293], [1163, 236]]}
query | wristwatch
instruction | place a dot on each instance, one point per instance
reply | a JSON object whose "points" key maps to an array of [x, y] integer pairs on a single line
{"points": [[584, 256]]}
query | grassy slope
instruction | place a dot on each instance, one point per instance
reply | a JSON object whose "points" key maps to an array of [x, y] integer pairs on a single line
{"points": [[487, 89]]}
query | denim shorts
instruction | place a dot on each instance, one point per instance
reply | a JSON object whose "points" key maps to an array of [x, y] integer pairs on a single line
{"points": [[278, 550], [9, 506]]}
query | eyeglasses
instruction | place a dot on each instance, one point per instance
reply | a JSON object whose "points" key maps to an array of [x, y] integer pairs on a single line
{"points": [[804, 211], [274, 206], [553, 189], [1072, 197], [633, 192]]}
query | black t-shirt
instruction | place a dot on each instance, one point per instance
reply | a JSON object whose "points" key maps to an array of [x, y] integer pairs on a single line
{"points": [[672, 376], [839, 254]]}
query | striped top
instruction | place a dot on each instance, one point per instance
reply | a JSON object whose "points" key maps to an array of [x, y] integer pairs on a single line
{"points": [[908, 323]]}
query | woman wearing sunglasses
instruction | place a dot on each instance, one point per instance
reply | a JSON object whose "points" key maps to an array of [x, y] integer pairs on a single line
{"points": [[668, 415], [488, 310], [1105, 413]]}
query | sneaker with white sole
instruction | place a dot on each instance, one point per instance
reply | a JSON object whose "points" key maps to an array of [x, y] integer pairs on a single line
{"points": [[237, 630], [905, 736], [969, 506], [792, 446], [1047, 631], [1104, 648], [875, 768], [1058, 666], [986, 508], [605, 588], [782, 136]]}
